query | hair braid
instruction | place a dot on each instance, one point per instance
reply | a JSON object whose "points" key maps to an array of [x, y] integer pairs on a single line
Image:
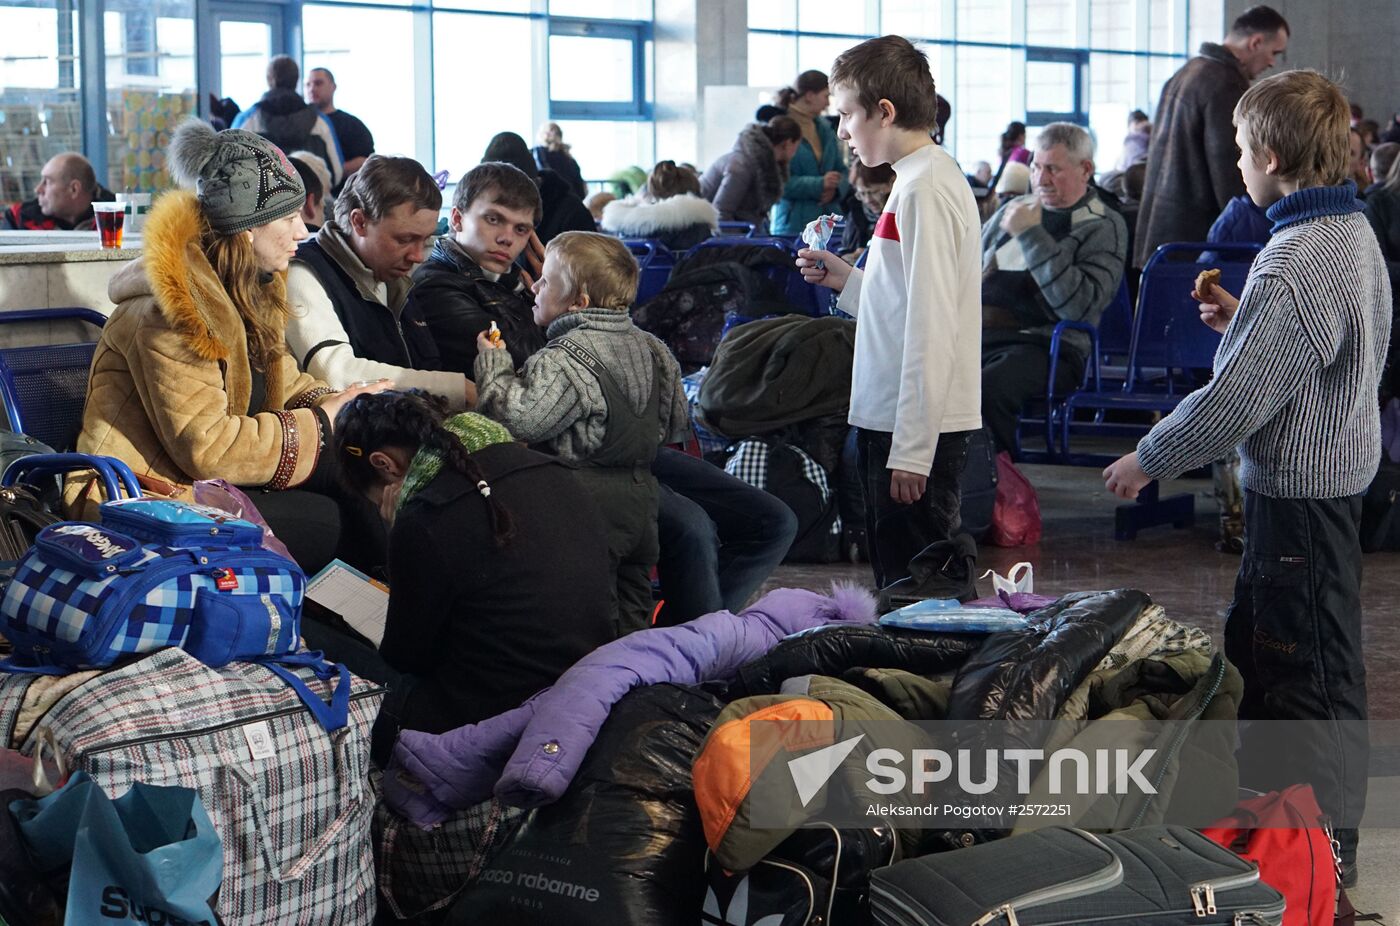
{"points": [[411, 420], [457, 457]]}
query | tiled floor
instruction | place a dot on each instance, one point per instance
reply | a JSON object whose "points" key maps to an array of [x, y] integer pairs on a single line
{"points": [[1183, 572]]}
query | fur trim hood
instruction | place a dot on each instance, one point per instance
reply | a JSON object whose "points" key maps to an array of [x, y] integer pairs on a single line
{"points": [[174, 269], [769, 176], [636, 217]]}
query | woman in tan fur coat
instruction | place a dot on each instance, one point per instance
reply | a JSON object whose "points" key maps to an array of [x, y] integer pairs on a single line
{"points": [[191, 378]]}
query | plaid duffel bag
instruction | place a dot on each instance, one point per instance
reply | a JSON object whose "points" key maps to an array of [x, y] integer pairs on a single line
{"points": [[291, 802]]}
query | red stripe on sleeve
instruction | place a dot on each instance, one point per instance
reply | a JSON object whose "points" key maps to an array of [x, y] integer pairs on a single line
{"points": [[885, 227]]}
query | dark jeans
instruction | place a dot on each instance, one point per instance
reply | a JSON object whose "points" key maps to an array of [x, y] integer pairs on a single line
{"points": [[899, 534], [1014, 372], [1294, 632], [720, 537]]}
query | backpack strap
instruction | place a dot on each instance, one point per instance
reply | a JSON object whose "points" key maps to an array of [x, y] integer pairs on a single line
{"points": [[331, 716], [9, 665]]}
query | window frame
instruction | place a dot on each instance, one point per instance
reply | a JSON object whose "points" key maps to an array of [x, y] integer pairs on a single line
{"points": [[1079, 58], [639, 34]]}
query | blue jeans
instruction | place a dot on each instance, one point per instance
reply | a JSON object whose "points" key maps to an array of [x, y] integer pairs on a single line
{"points": [[720, 537]]}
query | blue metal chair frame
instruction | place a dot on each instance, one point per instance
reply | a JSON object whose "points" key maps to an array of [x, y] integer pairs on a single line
{"points": [[737, 229], [1169, 353], [1116, 317], [1169, 349], [45, 359]]}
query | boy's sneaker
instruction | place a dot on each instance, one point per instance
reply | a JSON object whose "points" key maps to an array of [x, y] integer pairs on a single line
{"points": [[946, 569], [1229, 543]]}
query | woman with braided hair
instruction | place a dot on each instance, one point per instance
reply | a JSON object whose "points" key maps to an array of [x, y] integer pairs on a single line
{"points": [[498, 558]]}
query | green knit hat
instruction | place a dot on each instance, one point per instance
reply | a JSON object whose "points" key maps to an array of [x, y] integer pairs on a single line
{"points": [[477, 431], [242, 179]]}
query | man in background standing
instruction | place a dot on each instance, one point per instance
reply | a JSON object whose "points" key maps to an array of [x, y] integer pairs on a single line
{"points": [[283, 119], [1192, 161], [356, 142]]}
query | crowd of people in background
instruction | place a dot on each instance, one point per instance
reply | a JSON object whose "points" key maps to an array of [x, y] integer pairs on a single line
{"points": [[303, 323]]}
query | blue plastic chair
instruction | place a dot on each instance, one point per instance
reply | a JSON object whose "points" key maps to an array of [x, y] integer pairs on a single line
{"points": [[1108, 358], [1170, 355], [44, 387], [655, 262], [740, 229], [1170, 352]]}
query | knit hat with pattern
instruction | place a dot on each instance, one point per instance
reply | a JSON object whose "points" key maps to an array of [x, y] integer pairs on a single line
{"points": [[242, 179]]}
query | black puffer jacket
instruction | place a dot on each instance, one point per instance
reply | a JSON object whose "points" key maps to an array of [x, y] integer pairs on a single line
{"points": [[458, 302], [834, 650], [1028, 674]]}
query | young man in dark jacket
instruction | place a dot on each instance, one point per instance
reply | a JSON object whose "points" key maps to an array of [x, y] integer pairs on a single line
{"points": [[471, 279], [563, 211]]}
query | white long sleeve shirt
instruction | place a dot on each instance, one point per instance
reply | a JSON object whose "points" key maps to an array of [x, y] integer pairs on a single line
{"points": [[918, 309]]}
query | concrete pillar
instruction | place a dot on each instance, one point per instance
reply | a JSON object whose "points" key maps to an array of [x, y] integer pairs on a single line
{"points": [[698, 44], [1351, 42]]}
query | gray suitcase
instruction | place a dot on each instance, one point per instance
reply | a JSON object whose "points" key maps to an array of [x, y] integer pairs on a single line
{"points": [[1052, 876]]}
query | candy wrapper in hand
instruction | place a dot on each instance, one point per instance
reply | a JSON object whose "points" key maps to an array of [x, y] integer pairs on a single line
{"points": [[818, 233]]}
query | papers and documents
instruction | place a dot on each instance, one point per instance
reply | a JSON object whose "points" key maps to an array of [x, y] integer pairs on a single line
{"points": [[361, 601]]}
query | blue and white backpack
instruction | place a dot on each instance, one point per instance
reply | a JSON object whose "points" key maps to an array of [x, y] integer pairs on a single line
{"points": [[158, 573]]}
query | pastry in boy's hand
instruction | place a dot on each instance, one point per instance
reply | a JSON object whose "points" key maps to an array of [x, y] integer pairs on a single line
{"points": [[1204, 281]]}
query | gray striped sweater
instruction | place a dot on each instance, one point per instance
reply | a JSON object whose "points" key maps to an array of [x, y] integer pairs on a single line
{"points": [[1074, 259], [557, 402], [1296, 373]]}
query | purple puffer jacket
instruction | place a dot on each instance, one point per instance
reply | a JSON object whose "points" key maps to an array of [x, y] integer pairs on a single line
{"points": [[528, 756]]}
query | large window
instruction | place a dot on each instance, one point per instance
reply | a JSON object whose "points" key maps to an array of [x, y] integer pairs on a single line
{"points": [[354, 44], [439, 80], [1001, 60], [150, 75], [40, 110], [468, 111]]}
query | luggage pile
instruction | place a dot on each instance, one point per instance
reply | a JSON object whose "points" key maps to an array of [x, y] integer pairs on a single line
{"points": [[157, 667], [631, 805], [161, 648]]}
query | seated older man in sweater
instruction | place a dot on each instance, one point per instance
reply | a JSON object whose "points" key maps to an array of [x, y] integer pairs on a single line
{"points": [[1055, 254]]}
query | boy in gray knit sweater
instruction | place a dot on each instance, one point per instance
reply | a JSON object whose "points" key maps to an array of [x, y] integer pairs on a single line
{"points": [[1295, 389], [602, 394]]}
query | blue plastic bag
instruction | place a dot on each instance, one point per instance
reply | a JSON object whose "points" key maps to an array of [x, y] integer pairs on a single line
{"points": [[151, 855], [947, 616]]}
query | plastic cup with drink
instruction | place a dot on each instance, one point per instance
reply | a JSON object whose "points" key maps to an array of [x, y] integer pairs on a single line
{"points": [[110, 222]]}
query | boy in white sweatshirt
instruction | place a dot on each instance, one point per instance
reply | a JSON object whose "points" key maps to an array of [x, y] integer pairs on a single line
{"points": [[916, 381]]}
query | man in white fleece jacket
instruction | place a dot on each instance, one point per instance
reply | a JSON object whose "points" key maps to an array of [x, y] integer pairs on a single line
{"points": [[916, 381]]}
